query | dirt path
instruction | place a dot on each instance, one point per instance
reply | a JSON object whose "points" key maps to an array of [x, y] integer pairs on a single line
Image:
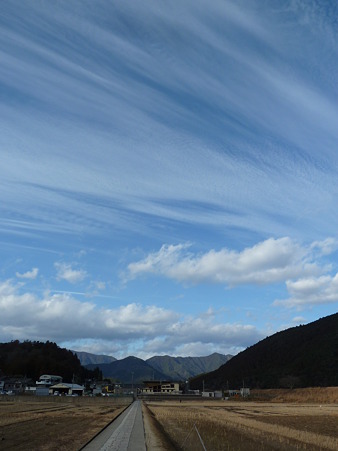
{"points": [[156, 439]]}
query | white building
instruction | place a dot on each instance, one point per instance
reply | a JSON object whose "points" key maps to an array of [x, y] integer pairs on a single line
{"points": [[245, 392], [66, 389], [48, 379], [212, 394]]}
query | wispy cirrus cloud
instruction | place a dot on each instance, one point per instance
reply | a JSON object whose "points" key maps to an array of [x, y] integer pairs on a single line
{"points": [[205, 122], [188, 74]]}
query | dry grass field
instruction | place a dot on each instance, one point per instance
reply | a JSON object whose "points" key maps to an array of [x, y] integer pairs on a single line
{"points": [[272, 420], [248, 425], [54, 423]]}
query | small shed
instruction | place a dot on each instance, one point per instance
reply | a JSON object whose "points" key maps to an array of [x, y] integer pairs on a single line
{"points": [[66, 389], [232, 393], [245, 391], [42, 391], [212, 394]]}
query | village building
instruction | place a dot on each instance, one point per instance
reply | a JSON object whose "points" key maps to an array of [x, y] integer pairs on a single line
{"points": [[161, 387], [66, 389], [232, 393], [245, 391], [48, 379], [212, 394], [45, 382], [14, 385], [108, 389]]}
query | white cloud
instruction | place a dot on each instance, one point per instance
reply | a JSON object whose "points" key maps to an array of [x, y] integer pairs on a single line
{"points": [[298, 320], [301, 268], [99, 285], [311, 291], [29, 274], [270, 261], [201, 336], [326, 246], [62, 318], [234, 130], [66, 272]]}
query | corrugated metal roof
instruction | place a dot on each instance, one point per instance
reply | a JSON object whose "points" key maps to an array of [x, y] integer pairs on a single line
{"points": [[65, 385]]}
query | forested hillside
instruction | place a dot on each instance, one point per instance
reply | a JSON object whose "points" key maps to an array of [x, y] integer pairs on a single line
{"points": [[87, 358], [33, 358], [302, 356]]}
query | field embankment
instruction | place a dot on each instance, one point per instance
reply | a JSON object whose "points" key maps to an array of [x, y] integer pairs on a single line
{"points": [[321, 395]]}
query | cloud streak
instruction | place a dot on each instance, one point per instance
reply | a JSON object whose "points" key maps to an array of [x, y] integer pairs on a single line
{"points": [[125, 127], [205, 90]]}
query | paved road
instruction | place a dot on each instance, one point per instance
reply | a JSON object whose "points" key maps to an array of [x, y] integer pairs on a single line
{"points": [[126, 433]]}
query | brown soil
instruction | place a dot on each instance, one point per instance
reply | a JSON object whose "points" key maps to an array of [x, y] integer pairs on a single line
{"points": [[49, 423]]}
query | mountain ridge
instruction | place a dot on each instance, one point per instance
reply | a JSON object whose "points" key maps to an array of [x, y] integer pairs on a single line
{"points": [[301, 356], [185, 367], [129, 370], [162, 367], [87, 358]]}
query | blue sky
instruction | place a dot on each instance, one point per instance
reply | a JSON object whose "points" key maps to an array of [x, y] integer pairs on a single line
{"points": [[169, 172]]}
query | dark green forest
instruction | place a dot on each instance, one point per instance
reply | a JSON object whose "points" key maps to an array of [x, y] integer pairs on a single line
{"points": [[31, 359], [303, 356]]}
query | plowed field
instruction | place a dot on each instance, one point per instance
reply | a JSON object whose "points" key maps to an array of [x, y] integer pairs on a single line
{"points": [[54, 423]]}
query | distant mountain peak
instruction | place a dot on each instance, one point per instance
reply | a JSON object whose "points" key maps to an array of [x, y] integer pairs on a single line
{"points": [[87, 358], [183, 368]]}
